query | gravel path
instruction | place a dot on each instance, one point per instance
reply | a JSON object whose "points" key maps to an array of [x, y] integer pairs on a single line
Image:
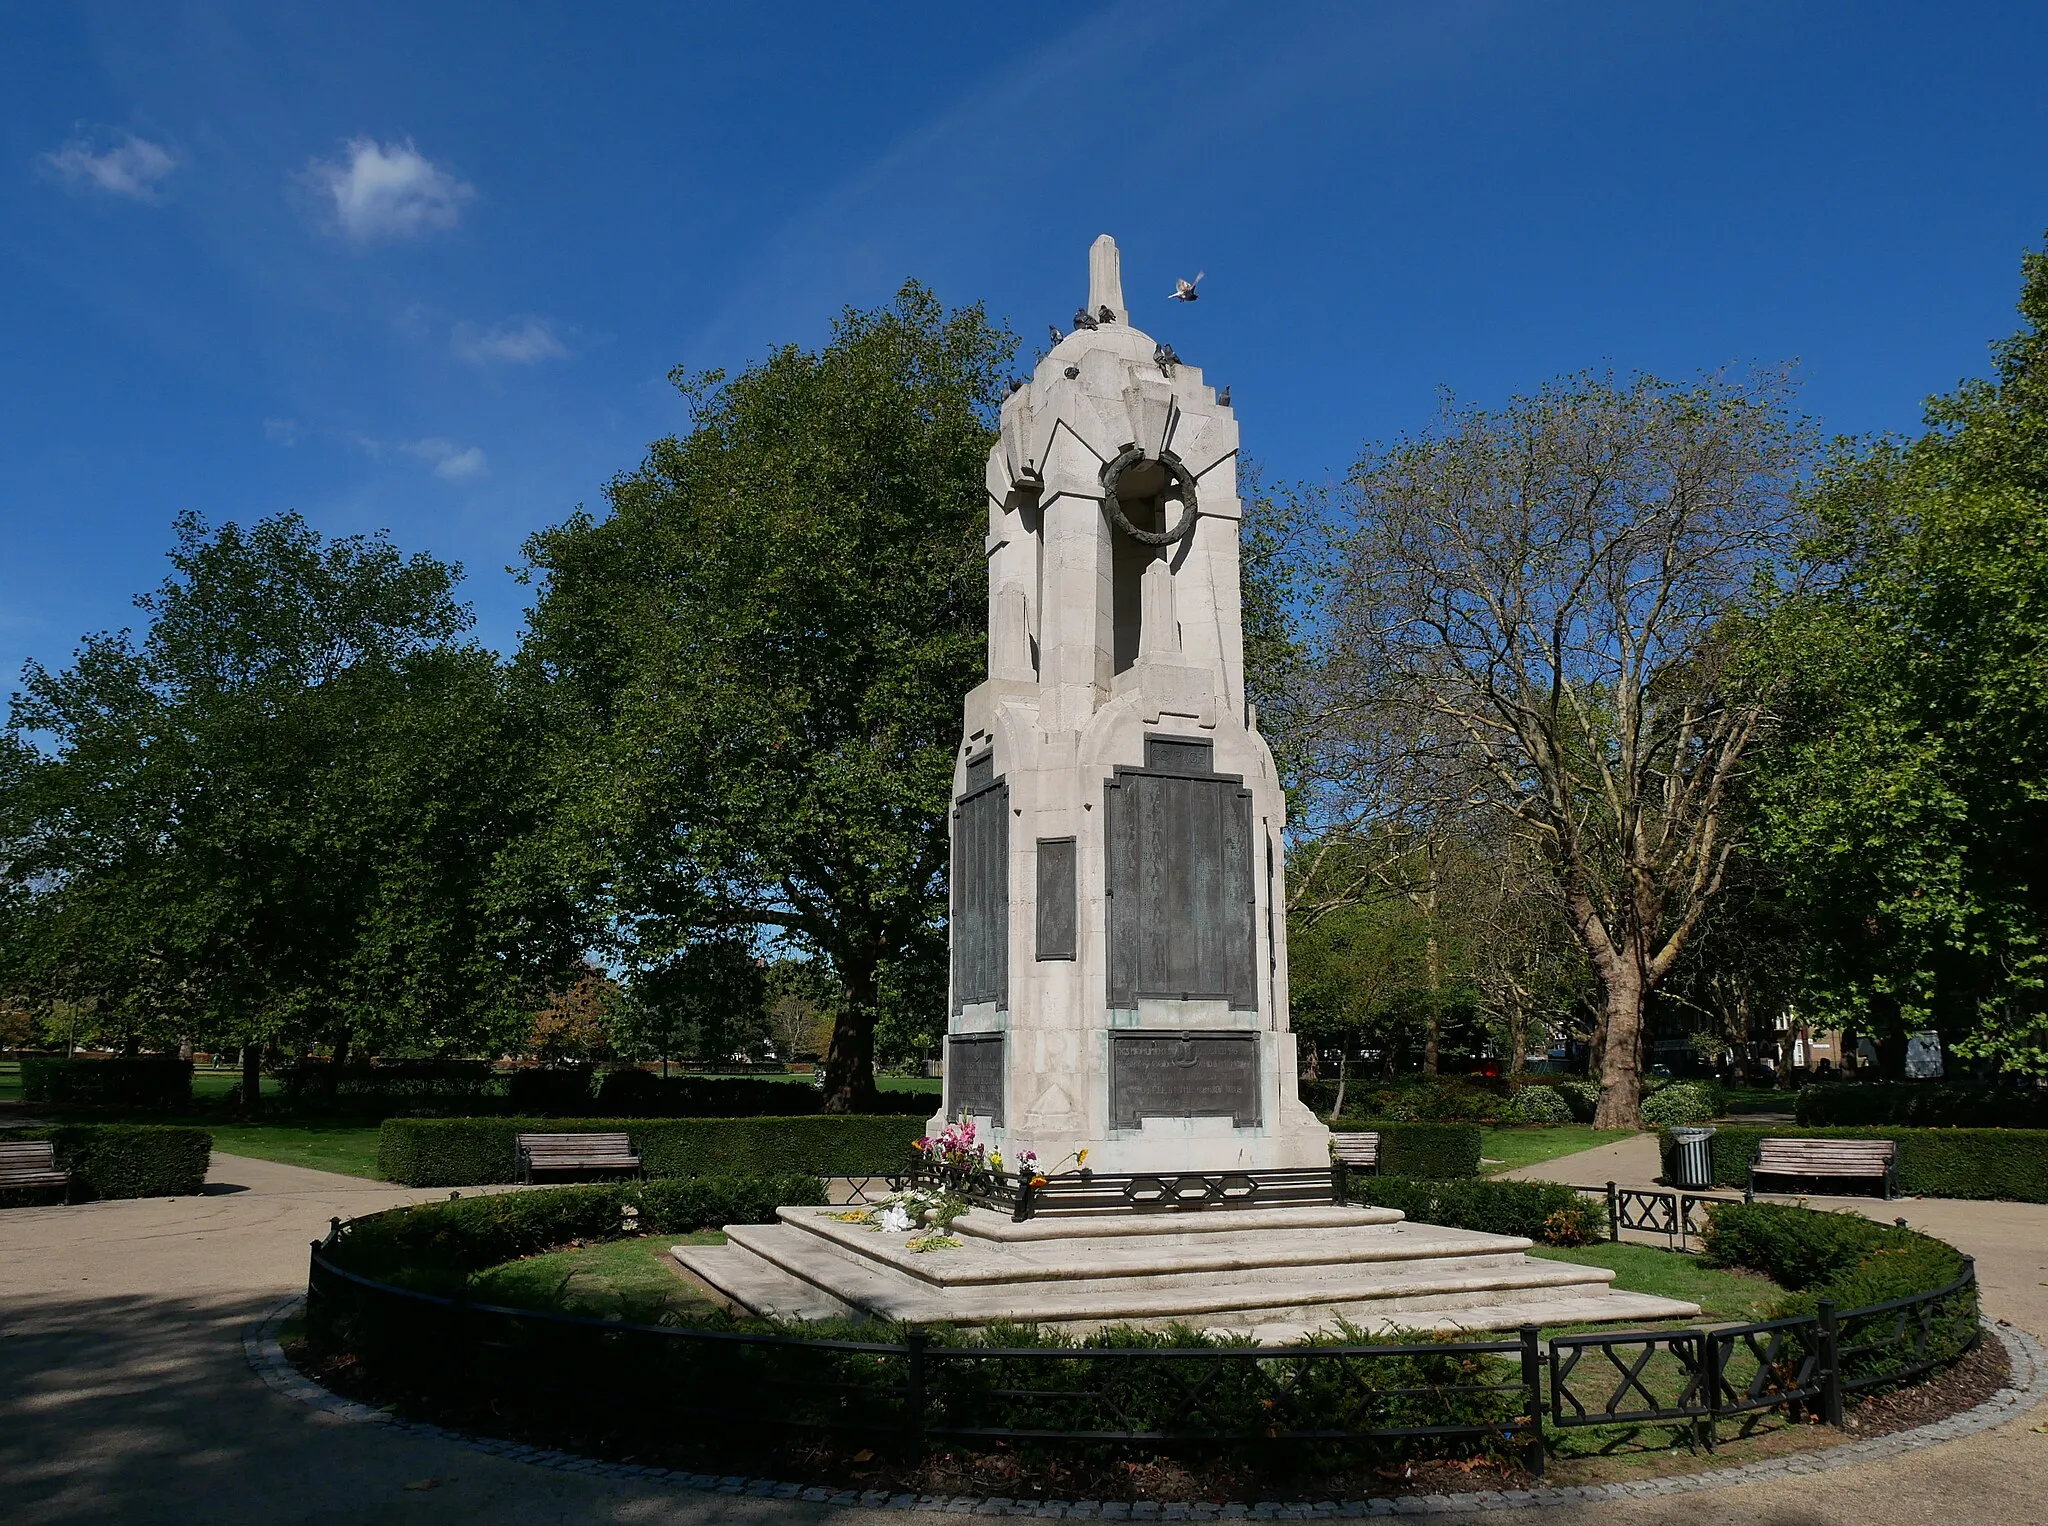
{"points": [[126, 1394]]}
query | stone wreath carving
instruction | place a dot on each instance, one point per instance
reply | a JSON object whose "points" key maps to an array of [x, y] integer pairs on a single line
{"points": [[1177, 476]]}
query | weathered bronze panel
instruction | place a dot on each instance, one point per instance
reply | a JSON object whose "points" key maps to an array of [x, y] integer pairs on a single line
{"points": [[974, 1076], [1058, 916], [981, 897], [1183, 1075], [1181, 890]]}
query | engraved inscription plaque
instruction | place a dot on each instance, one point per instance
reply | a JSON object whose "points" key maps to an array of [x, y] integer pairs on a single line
{"points": [[1057, 915], [1183, 1075], [974, 1076]]}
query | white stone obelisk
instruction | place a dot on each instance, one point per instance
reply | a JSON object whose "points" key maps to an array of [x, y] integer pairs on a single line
{"points": [[1119, 949]]}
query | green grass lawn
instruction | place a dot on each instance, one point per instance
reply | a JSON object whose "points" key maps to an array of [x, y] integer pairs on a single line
{"points": [[1759, 1099], [1505, 1149], [634, 1280], [1722, 1295], [350, 1149], [10, 1080]]}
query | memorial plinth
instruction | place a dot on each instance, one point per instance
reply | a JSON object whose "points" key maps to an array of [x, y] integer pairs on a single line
{"points": [[1119, 959]]}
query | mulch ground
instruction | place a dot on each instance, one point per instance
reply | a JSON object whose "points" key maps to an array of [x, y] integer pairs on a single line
{"points": [[1023, 1473]]}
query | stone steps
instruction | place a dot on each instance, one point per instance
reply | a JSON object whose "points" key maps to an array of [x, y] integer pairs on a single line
{"points": [[1310, 1249], [1281, 1282]]}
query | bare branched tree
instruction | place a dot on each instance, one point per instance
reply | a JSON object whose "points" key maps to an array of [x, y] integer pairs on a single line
{"points": [[1544, 592]]}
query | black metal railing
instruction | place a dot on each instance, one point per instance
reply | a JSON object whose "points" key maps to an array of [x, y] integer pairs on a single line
{"points": [[1676, 1214], [1809, 1363], [909, 1393]]}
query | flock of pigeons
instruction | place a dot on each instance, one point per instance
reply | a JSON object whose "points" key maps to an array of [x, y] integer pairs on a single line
{"points": [[1162, 353]]}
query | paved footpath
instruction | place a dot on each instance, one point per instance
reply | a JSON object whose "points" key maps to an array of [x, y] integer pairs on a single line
{"points": [[125, 1396]]}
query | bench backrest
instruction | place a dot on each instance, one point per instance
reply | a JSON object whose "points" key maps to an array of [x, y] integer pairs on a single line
{"points": [[22, 1159], [1826, 1157], [1355, 1147], [577, 1148]]}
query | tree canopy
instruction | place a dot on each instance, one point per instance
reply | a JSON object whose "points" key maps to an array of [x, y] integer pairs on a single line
{"points": [[760, 654]]}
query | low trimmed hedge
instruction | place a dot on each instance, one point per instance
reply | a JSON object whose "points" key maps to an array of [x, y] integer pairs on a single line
{"points": [[158, 1084], [1435, 1150], [1854, 1263], [471, 1152], [642, 1094], [2007, 1165], [1920, 1104], [435, 1243], [124, 1160], [1546, 1211]]}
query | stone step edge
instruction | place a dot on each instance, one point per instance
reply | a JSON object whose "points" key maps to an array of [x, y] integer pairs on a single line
{"points": [[882, 1291], [938, 1269]]}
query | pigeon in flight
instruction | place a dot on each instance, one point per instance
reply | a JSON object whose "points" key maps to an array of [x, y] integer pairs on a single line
{"points": [[1082, 319], [1184, 290], [1107, 313]]}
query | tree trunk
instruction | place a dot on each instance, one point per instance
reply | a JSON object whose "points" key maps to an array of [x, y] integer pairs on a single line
{"points": [[850, 1063], [341, 1043], [1620, 1037], [1343, 1074], [1433, 963], [252, 1079]]}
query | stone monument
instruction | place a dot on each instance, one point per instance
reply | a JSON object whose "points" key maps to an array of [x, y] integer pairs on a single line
{"points": [[1119, 979], [1119, 974]]}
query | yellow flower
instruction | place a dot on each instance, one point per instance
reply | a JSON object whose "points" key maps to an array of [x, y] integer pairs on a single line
{"points": [[1081, 1159]]}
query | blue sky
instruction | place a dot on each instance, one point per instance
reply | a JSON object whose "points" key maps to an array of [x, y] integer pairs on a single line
{"points": [[424, 268]]}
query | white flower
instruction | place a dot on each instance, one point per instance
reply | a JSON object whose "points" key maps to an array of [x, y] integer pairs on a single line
{"points": [[896, 1219]]}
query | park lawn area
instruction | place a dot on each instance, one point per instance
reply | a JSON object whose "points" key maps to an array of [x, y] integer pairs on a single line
{"points": [[10, 1080], [634, 1280], [1741, 1297], [1505, 1149], [348, 1148]]}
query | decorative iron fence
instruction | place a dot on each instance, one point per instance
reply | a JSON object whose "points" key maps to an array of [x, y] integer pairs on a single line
{"points": [[1338, 1399], [1679, 1216]]}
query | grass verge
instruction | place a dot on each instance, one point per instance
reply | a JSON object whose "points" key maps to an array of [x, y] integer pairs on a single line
{"points": [[1732, 1296], [636, 1280], [350, 1149], [1505, 1149]]}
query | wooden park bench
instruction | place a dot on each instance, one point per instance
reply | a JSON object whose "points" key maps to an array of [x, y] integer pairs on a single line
{"points": [[1877, 1158], [30, 1163], [577, 1154], [1359, 1150]]}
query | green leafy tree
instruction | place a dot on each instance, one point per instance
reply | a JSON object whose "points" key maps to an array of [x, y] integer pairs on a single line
{"points": [[761, 654], [1531, 608], [290, 814], [1904, 804]]}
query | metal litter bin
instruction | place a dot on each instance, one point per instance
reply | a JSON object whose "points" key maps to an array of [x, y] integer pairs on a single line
{"points": [[1695, 1158]]}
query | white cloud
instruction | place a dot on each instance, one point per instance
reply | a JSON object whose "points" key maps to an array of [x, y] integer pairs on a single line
{"points": [[133, 167], [520, 342], [388, 190], [452, 463]]}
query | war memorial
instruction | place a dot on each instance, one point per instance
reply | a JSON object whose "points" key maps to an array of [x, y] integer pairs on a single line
{"points": [[1118, 1019]]}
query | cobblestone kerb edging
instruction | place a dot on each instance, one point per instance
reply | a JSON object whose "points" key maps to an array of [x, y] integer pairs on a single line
{"points": [[2029, 1386]]}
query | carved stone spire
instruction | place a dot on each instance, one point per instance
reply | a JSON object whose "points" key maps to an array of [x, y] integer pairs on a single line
{"points": [[1106, 279]]}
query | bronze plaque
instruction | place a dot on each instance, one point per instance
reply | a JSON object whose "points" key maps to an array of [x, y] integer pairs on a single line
{"points": [[974, 1076], [1183, 1075]]}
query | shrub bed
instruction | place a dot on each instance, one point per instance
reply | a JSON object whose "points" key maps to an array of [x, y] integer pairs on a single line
{"points": [[154, 1084], [1684, 1102], [2009, 1165], [468, 1152], [123, 1160], [1852, 1262], [1545, 1211], [642, 1094], [435, 1245], [1537, 1104], [386, 1086], [1919, 1104], [1437, 1150]]}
